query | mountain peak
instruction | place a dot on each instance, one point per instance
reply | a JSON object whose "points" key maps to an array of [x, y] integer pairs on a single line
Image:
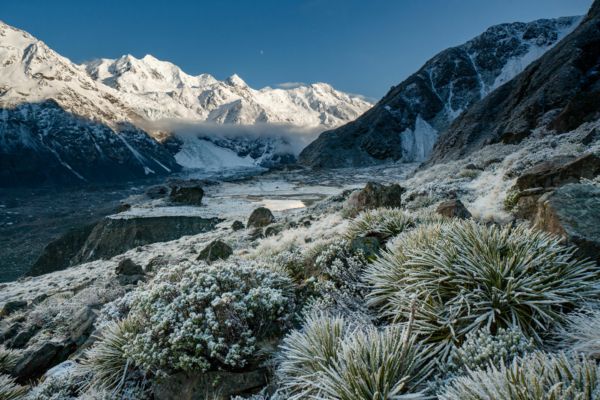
{"points": [[234, 80]]}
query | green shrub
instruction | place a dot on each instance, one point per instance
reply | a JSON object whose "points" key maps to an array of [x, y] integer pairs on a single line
{"points": [[199, 317], [537, 376], [467, 276]]}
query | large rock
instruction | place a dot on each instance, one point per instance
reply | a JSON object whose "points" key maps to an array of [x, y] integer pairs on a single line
{"points": [[573, 212], [57, 255], [260, 218], [376, 195], [39, 358], [560, 171], [116, 234], [527, 204], [187, 192], [215, 250], [453, 209], [158, 192], [82, 326], [200, 386], [129, 268], [12, 307]]}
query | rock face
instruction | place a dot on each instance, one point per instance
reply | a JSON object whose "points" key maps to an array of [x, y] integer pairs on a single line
{"points": [[42, 144], [82, 326], [406, 122], [11, 307], [200, 386], [453, 209], [260, 218], [558, 90], [376, 195], [116, 234], [57, 255], [39, 358], [573, 212], [186, 192], [560, 171], [237, 225], [216, 250]]}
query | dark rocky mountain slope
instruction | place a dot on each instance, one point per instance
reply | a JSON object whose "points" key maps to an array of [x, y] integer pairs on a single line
{"points": [[42, 144], [559, 91], [405, 124]]}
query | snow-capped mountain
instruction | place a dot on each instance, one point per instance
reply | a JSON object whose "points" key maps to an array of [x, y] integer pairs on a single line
{"points": [[406, 122], [158, 89], [124, 95]]}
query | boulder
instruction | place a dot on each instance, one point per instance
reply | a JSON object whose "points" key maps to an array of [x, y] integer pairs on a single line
{"points": [[21, 339], [573, 212], [369, 245], [269, 231], [209, 385], [376, 195], [453, 209], [11, 331], [129, 268], [187, 192], [560, 171], [116, 234], [37, 359], [237, 225], [156, 263], [57, 255], [82, 326], [158, 192], [260, 218], [126, 280], [12, 307], [216, 250], [527, 203]]}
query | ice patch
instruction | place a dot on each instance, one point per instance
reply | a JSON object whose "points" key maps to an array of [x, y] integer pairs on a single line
{"points": [[417, 145]]}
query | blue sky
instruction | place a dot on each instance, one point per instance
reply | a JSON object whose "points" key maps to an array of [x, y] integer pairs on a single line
{"points": [[362, 47]]}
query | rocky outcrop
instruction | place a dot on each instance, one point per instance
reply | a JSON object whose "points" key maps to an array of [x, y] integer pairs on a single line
{"points": [[375, 195], [12, 307], [560, 171], [186, 192], [566, 76], [118, 233], [129, 268], [453, 209], [215, 250], [406, 122], [210, 385], [39, 358], [57, 254], [573, 212], [260, 218]]}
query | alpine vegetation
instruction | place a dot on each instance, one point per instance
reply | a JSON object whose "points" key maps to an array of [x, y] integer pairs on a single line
{"points": [[111, 370], [197, 317], [9, 389], [536, 376], [388, 222], [334, 358], [581, 333], [8, 359], [467, 276]]}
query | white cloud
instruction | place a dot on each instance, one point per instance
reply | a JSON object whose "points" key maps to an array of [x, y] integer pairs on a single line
{"points": [[289, 85]]}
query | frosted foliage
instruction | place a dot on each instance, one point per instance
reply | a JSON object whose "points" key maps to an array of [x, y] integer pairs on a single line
{"points": [[537, 376], [63, 387], [10, 390], [199, 317], [115, 310], [340, 287], [468, 276], [581, 333], [481, 349], [593, 182], [8, 359], [334, 358]]}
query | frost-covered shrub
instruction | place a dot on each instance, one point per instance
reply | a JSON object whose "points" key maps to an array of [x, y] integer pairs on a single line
{"points": [[198, 317], [10, 390], [331, 358], [468, 276], [384, 222], [63, 387], [340, 288], [8, 359], [593, 182], [469, 173], [116, 310], [537, 376], [106, 363], [581, 333], [420, 202], [481, 349], [511, 199]]}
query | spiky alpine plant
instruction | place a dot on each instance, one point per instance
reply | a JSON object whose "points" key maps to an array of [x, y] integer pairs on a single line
{"points": [[468, 276], [106, 362], [581, 333], [387, 222], [332, 358], [8, 358], [10, 390], [535, 376]]}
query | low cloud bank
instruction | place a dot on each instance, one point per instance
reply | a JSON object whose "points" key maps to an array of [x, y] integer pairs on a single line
{"points": [[295, 138]]}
